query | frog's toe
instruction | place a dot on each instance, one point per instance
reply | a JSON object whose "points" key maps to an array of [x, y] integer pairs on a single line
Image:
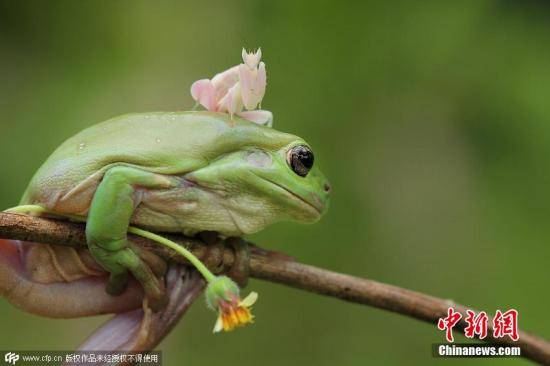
{"points": [[240, 269], [156, 263], [153, 287], [117, 283]]}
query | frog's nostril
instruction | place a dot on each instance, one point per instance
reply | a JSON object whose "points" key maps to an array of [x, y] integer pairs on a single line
{"points": [[327, 187]]}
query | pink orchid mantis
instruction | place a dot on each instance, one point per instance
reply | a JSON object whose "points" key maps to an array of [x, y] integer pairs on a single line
{"points": [[238, 90]]}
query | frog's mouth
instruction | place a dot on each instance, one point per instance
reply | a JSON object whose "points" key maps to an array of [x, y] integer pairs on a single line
{"points": [[315, 205]]}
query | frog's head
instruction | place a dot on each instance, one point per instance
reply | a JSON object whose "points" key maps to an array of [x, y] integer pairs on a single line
{"points": [[261, 184]]}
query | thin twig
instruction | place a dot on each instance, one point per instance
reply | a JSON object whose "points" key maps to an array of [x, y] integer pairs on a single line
{"points": [[276, 267]]}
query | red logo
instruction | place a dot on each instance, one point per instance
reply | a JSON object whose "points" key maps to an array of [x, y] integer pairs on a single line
{"points": [[504, 324], [477, 324], [447, 324]]}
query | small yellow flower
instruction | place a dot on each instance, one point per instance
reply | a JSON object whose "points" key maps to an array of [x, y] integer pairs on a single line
{"points": [[235, 313], [222, 295]]}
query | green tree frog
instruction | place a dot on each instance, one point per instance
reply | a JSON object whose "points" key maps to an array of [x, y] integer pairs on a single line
{"points": [[184, 172]]}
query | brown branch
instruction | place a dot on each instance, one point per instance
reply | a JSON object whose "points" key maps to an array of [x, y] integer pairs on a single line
{"points": [[278, 268]]}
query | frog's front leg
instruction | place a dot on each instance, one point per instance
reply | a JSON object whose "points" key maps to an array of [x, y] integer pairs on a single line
{"points": [[106, 229]]}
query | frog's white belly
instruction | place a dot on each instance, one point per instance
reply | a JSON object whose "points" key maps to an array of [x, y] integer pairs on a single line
{"points": [[191, 209]]}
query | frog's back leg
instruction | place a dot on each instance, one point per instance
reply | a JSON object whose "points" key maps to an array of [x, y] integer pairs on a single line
{"points": [[31, 280], [58, 282]]}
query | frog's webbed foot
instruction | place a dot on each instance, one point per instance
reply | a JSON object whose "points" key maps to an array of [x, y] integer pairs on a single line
{"points": [[152, 265], [138, 262], [213, 258]]}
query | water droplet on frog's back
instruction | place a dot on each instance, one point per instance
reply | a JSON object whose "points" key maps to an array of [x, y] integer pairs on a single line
{"points": [[81, 146], [157, 140]]}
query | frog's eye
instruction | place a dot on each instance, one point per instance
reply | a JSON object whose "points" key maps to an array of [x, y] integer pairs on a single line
{"points": [[300, 159]]}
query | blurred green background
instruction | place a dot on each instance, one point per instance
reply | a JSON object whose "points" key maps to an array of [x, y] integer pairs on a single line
{"points": [[431, 119]]}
